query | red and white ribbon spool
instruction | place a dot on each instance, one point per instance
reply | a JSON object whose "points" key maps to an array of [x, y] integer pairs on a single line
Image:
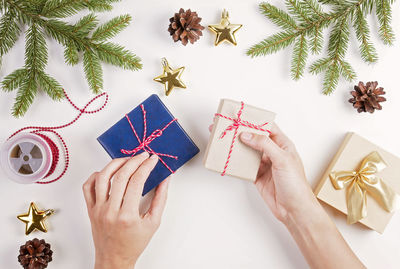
{"points": [[30, 155]]}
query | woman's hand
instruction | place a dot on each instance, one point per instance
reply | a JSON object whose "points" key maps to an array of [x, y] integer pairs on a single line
{"points": [[282, 184], [281, 180], [120, 233]]}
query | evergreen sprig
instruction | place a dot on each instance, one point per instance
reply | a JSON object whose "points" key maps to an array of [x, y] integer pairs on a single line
{"points": [[86, 37], [303, 26]]}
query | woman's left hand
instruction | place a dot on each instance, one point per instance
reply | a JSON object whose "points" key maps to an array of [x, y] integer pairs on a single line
{"points": [[120, 232]]}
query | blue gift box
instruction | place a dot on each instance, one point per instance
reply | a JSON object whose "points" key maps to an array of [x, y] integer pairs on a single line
{"points": [[173, 141]]}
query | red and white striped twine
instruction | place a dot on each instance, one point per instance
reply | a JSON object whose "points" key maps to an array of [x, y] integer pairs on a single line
{"points": [[237, 122], [144, 143]]}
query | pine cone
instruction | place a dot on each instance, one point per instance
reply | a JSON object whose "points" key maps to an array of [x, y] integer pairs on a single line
{"points": [[35, 254], [367, 98], [185, 26]]}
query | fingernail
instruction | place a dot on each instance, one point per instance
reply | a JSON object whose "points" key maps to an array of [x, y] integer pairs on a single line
{"points": [[246, 136], [145, 154], [154, 157]]}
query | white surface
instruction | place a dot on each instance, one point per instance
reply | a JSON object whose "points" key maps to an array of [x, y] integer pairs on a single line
{"points": [[210, 221]]}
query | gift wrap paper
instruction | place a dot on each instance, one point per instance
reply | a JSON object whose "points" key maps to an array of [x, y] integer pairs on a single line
{"points": [[244, 162], [349, 156], [174, 140]]}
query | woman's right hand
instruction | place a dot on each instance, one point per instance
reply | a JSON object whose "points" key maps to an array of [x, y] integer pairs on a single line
{"points": [[281, 179], [282, 184]]}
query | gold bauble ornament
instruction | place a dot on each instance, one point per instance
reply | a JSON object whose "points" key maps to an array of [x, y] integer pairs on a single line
{"points": [[34, 219], [225, 31], [171, 78]]}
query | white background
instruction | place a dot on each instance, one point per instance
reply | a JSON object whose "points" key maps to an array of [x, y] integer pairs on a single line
{"points": [[210, 221]]}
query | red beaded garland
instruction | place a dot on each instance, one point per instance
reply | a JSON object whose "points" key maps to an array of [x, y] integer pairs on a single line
{"points": [[38, 130]]}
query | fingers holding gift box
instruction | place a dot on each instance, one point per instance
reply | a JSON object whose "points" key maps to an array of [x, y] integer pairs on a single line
{"points": [[151, 127], [225, 152]]}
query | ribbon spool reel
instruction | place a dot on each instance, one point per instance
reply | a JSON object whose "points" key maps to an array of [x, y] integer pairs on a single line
{"points": [[27, 158], [32, 157]]}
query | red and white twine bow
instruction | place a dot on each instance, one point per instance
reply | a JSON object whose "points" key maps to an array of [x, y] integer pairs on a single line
{"points": [[237, 122], [144, 143]]}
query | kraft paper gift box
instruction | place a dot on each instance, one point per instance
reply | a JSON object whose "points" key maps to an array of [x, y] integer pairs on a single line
{"points": [[349, 157], [164, 134], [244, 162]]}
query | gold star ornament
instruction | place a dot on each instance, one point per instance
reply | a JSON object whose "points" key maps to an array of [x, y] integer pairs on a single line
{"points": [[171, 78], [225, 31], [34, 219]]}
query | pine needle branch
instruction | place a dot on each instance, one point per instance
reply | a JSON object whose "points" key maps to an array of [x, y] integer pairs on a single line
{"points": [[84, 37], [111, 28], [367, 50], [297, 10], [278, 16], [303, 26], [117, 55], [50, 86], [25, 95], [93, 71], [86, 24], [14, 80], [9, 32], [299, 59], [273, 44], [71, 54], [36, 49], [384, 14], [62, 8]]}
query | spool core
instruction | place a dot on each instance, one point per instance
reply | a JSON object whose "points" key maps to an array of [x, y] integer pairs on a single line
{"points": [[26, 158]]}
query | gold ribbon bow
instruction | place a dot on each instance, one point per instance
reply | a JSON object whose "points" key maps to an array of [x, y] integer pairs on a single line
{"points": [[360, 182]]}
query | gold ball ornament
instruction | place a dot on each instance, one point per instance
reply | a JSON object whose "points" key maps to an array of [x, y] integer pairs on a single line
{"points": [[225, 31], [171, 78], [34, 219]]}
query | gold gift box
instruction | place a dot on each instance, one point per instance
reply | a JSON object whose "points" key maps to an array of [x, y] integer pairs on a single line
{"points": [[352, 151], [244, 161]]}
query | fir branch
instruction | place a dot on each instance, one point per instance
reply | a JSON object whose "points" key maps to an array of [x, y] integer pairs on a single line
{"points": [[117, 55], [367, 50], [331, 78], [43, 16], [71, 54], [9, 32], [22, 11], [273, 43], [66, 8], [25, 95], [319, 66], [304, 27], [337, 48], [278, 16], [111, 28], [86, 24], [297, 10], [50, 86], [100, 5], [299, 58], [63, 33], [347, 71], [62, 8], [384, 14], [93, 71], [314, 8], [14, 80], [36, 49], [339, 40], [316, 40]]}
